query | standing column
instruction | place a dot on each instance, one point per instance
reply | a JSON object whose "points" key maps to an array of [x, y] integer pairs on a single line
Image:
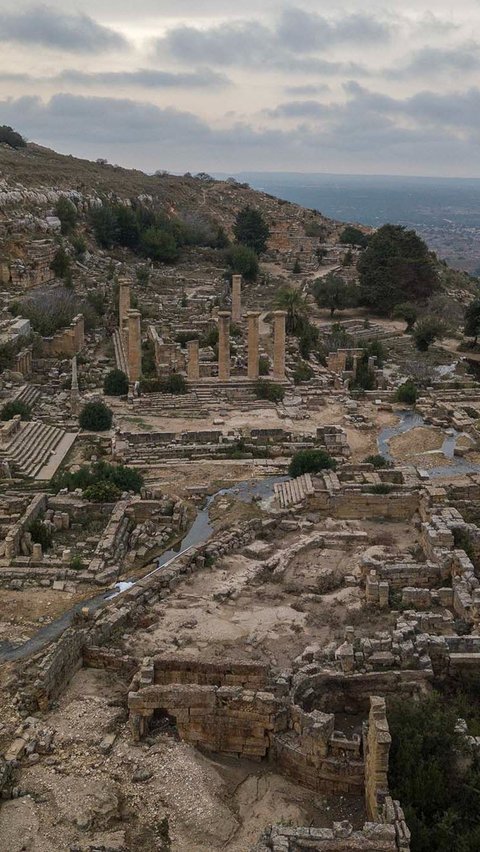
{"points": [[134, 346], [223, 346], [279, 345], [253, 338], [123, 302], [74, 392], [193, 360], [236, 298]]}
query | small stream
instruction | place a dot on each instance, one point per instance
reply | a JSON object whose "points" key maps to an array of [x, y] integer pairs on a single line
{"points": [[199, 532], [411, 419]]}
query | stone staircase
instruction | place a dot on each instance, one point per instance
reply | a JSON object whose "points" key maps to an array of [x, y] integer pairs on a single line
{"points": [[294, 491], [32, 448], [120, 357], [27, 394]]}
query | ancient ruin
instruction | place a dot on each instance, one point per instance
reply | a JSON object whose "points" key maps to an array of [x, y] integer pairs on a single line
{"points": [[215, 589]]}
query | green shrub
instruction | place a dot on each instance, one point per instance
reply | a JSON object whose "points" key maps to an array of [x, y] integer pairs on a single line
{"points": [[40, 534], [184, 336], [10, 409], [263, 365], [377, 461], [437, 783], [268, 390], [427, 331], [96, 417], [125, 478], [302, 372], [115, 383], [407, 393], [79, 245], [380, 488], [9, 136], [67, 213], [102, 492], [60, 264], [175, 383], [242, 260], [76, 563], [311, 461]]}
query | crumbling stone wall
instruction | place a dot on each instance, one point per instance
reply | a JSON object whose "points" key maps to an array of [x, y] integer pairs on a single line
{"points": [[377, 741], [68, 341]]}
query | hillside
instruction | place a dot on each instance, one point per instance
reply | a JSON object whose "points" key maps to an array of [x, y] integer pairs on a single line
{"points": [[33, 177]]}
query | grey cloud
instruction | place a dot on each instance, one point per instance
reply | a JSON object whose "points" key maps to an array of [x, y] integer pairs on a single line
{"points": [[148, 78], [44, 25], [368, 129], [307, 90], [307, 31], [298, 109], [431, 61], [289, 46]]}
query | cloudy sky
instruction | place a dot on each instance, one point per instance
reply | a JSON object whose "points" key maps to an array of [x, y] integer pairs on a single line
{"points": [[217, 85]]}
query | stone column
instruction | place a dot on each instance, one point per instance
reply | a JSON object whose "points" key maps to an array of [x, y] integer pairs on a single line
{"points": [[124, 302], [223, 346], [279, 345], [236, 298], [74, 392], [134, 346], [193, 360], [253, 357]]}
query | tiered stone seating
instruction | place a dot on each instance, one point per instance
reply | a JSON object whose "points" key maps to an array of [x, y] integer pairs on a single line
{"points": [[28, 394], [294, 491], [32, 447]]}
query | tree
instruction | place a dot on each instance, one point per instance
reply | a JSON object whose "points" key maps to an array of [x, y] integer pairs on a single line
{"points": [[104, 224], [332, 292], [159, 245], [11, 409], [472, 320], [242, 260], [96, 417], [9, 136], [115, 383], [406, 311], [352, 236], [251, 229], [67, 213], [310, 461], [60, 264], [293, 302], [396, 266], [407, 393], [427, 331]]}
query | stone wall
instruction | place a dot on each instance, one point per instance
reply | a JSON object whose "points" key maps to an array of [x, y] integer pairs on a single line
{"points": [[67, 342], [377, 741]]}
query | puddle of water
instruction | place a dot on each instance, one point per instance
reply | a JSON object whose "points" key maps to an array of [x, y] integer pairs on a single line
{"points": [[199, 532], [411, 419]]}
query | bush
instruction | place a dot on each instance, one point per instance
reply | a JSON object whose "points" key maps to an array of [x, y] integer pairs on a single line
{"points": [[302, 372], [377, 461], [11, 409], [436, 782], [102, 492], [351, 236], [9, 136], [263, 365], [125, 478], [96, 417], [159, 245], [380, 488], [269, 390], [79, 245], [60, 264], [242, 260], [174, 383], [407, 393], [115, 383], [407, 312], [311, 461], [67, 213], [52, 310], [76, 563], [40, 534], [427, 331]]}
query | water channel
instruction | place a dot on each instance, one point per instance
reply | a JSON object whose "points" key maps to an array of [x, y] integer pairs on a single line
{"points": [[199, 532], [411, 419]]}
